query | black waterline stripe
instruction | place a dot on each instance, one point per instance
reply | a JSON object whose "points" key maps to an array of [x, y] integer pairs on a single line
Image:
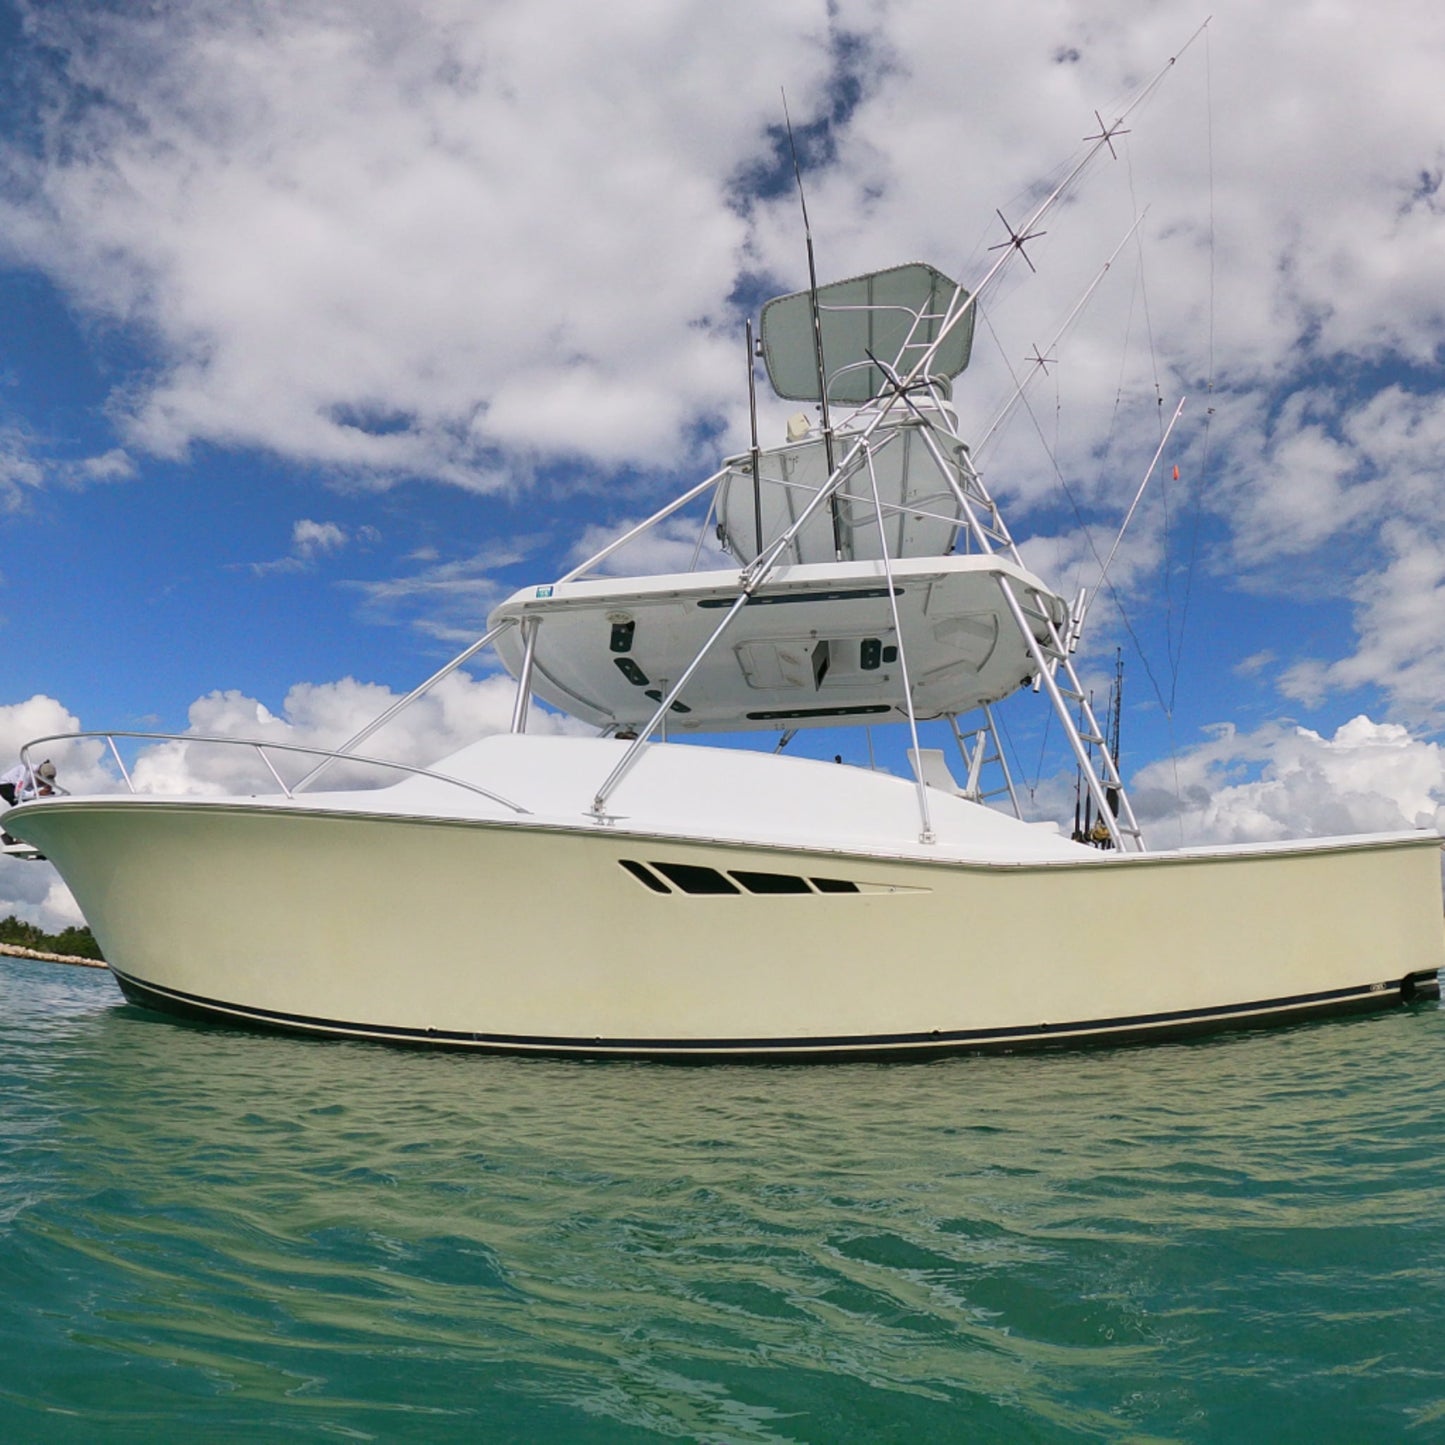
{"points": [[1097, 1028]]}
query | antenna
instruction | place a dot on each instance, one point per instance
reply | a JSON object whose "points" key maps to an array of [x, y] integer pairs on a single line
{"points": [[757, 453], [962, 304], [817, 333], [1044, 357]]}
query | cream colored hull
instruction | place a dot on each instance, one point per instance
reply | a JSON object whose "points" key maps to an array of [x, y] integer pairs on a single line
{"points": [[508, 936]]}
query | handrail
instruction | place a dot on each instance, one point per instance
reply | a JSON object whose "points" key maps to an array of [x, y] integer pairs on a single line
{"points": [[344, 751], [261, 749]]}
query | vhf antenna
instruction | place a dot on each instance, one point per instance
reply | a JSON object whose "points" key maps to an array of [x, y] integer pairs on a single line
{"points": [[817, 335]]}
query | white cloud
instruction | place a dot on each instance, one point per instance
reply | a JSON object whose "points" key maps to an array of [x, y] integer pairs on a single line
{"points": [[114, 465], [458, 710], [20, 471], [479, 243], [1283, 782], [410, 244], [309, 538], [1399, 647], [33, 891], [670, 546], [311, 541], [447, 600]]}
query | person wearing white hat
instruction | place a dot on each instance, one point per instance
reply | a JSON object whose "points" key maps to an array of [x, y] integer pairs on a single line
{"points": [[21, 783]]}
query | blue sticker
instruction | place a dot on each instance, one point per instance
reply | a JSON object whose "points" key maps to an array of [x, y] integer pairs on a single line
{"points": [[544, 592]]}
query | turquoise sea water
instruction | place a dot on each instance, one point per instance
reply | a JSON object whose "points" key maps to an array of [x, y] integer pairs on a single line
{"points": [[217, 1235]]}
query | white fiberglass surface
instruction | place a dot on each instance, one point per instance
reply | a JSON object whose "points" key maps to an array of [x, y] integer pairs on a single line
{"points": [[815, 647], [728, 793]]}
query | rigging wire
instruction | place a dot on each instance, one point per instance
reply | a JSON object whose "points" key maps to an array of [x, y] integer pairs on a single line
{"points": [[1176, 619], [1177, 654], [1209, 372], [1079, 517]]}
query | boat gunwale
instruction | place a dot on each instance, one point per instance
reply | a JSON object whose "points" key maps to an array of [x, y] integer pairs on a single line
{"points": [[613, 826]]}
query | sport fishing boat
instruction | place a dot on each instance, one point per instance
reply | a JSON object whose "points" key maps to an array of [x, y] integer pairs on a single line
{"points": [[640, 892]]}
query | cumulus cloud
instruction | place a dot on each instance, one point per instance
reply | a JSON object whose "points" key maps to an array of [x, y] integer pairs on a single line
{"points": [[458, 710], [310, 538], [311, 541], [1281, 781], [505, 244], [33, 891], [407, 244], [670, 546]]}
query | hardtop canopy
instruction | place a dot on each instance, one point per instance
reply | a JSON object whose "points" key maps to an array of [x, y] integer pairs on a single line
{"points": [[895, 315]]}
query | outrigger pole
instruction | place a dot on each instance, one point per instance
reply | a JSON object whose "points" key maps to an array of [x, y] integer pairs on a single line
{"points": [[1041, 359], [1104, 140], [1085, 598]]}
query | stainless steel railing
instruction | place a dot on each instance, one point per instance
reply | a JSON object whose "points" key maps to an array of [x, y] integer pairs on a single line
{"points": [[262, 751]]}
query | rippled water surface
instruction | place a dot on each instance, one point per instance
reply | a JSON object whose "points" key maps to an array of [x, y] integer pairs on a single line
{"points": [[233, 1236]]}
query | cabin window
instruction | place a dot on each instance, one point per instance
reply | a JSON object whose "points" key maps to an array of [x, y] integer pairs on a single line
{"points": [[694, 879], [769, 882], [643, 874]]}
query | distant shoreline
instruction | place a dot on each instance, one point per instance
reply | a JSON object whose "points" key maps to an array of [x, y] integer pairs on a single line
{"points": [[16, 951]]}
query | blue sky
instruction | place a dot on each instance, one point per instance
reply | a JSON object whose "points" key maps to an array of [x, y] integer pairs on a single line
{"points": [[323, 328]]}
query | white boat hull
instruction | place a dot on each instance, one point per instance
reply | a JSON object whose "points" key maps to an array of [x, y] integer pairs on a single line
{"points": [[542, 938]]}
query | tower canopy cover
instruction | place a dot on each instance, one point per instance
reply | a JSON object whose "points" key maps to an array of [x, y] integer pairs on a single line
{"points": [[894, 314]]}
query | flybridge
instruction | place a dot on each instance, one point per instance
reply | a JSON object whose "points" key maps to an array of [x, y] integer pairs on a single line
{"points": [[878, 580], [857, 609]]}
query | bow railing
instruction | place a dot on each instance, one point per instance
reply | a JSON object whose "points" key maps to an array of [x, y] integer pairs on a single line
{"points": [[262, 751]]}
